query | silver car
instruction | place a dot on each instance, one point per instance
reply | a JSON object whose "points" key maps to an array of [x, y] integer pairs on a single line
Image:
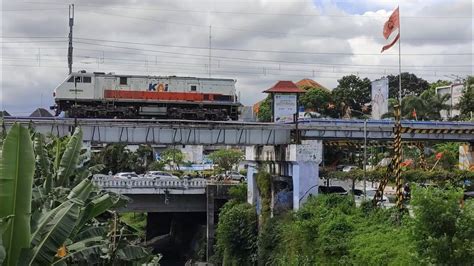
{"points": [[160, 175], [126, 175]]}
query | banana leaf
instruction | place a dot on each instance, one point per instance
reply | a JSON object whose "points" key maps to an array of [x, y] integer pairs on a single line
{"points": [[42, 161], [81, 192], [86, 250], [4, 224], [53, 231], [17, 164], [70, 157], [91, 231]]}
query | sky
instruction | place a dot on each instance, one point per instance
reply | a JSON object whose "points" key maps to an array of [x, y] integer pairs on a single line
{"points": [[256, 42]]}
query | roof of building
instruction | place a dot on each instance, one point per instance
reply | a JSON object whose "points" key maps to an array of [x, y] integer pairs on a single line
{"points": [[4, 113], [285, 86], [41, 112], [309, 83]]}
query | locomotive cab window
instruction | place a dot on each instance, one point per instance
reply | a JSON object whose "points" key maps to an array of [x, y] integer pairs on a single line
{"points": [[71, 79], [86, 79], [123, 80], [193, 87]]}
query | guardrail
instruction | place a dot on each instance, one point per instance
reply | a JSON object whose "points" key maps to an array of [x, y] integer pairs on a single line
{"points": [[114, 183]]}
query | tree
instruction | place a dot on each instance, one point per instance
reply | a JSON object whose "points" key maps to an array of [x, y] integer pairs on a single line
{"points": [[426, 106], [226, 159], [115, 157], [264, 113], [172, 157], [466, 103], [411, 85], [441, 231], [319, 100], [352, 92]]}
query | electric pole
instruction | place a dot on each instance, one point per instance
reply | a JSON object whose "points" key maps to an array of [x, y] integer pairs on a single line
{"points": [[71, 23]]}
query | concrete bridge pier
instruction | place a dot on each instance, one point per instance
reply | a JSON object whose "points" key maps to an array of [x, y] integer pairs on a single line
{"points": [[296, 164]]}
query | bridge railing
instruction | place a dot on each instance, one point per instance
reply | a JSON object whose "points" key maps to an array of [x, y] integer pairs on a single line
{"points": [[110, 182]]}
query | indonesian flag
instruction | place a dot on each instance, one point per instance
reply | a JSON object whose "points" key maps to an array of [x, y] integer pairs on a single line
{"points": [[391, 25]]}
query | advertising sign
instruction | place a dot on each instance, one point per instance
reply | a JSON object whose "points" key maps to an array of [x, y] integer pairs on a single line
{"points": [[379, 98], [284, 106]]}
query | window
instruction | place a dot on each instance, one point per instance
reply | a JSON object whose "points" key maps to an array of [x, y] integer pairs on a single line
{"points": [[71, 79], [123, 80], [193, 87], [86, 79]]}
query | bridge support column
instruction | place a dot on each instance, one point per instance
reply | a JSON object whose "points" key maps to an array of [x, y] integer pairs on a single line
{"points": [[305, 176], [210, 230], [252, 191], [300, 162]]}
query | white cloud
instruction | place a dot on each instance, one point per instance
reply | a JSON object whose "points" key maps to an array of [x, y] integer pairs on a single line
{"points": [[339, 38]]}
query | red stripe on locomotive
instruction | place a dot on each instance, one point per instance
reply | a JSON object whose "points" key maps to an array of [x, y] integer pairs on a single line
{"points": [[163, 96]]}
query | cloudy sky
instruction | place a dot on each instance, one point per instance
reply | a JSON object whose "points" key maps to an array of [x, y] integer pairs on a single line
{"points": [[256, 42]]}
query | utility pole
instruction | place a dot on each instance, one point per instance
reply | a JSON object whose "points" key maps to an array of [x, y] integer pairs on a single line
{"points": [[71, 23], [210, 49]]}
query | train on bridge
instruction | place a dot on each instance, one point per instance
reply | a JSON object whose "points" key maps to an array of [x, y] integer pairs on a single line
{"points": [[101, 95]]}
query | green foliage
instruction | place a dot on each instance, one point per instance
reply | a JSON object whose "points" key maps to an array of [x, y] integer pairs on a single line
{"points": [[411, 85], [157, 166], [264, 180], [236, 234], [137, 221], [226, 159], [69, 158], [267, 239], [450, 159], [16, 179], [172, 157], [352, 92], [239, 192], [265, 110], [319, 100], [466, 103], [442, 229]]}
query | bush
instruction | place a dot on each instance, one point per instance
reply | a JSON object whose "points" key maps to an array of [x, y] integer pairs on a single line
{"points": [[237, 234], [442, 229], [239, 192]]}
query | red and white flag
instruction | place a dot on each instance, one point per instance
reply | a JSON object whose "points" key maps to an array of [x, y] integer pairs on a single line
{"points": [[390, 26]]}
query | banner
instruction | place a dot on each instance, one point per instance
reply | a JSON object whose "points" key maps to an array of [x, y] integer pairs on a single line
{"points": [[379, 98], [284, 107]]}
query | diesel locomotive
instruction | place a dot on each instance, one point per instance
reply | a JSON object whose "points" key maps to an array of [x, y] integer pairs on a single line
{"points": [[101, 95]]}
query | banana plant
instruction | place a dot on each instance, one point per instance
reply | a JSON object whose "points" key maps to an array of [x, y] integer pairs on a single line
{"points": [[68, 163], [16, 180]]}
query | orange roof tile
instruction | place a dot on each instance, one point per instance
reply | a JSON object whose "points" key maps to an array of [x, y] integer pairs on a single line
{"points": [[285, 86], [309, 83]]}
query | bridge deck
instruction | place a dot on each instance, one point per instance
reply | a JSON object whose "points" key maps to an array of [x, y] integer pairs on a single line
{"points": [[186, 132]]}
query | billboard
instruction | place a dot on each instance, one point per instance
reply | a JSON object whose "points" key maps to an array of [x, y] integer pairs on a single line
{"points": [[284, 106], [379, 98]]}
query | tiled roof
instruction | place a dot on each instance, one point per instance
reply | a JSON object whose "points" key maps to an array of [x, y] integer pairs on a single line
{"points": [[285, 86], [309, 83]]}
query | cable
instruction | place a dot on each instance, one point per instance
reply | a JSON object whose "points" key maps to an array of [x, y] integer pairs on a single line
{"points": [[255, 50], [270, 51], [150, 8]]}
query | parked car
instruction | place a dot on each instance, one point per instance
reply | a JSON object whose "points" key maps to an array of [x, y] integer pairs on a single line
{"points": [[126, 175], [160, 175], [349, 168], [235, 176], [332, 190]]}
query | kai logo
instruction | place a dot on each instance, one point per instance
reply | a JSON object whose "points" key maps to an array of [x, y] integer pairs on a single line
{"points": [[157, 87]]}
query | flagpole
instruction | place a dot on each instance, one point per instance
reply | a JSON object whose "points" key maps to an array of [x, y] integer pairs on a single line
{"points": [[399, 59]]}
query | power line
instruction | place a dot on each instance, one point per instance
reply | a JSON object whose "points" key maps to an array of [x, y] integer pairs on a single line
{"points": [[227, 12]]}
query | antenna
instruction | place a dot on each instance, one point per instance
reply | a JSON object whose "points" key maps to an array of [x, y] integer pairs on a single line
{"points": [[71, 23]]}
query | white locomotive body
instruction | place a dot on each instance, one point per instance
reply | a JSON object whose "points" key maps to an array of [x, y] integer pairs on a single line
{"points": [[129, 96]]}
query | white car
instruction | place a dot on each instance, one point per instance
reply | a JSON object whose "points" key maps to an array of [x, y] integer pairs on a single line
{"points": [[235, 176], [349, 168], [126, 175], [160, 175]]}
